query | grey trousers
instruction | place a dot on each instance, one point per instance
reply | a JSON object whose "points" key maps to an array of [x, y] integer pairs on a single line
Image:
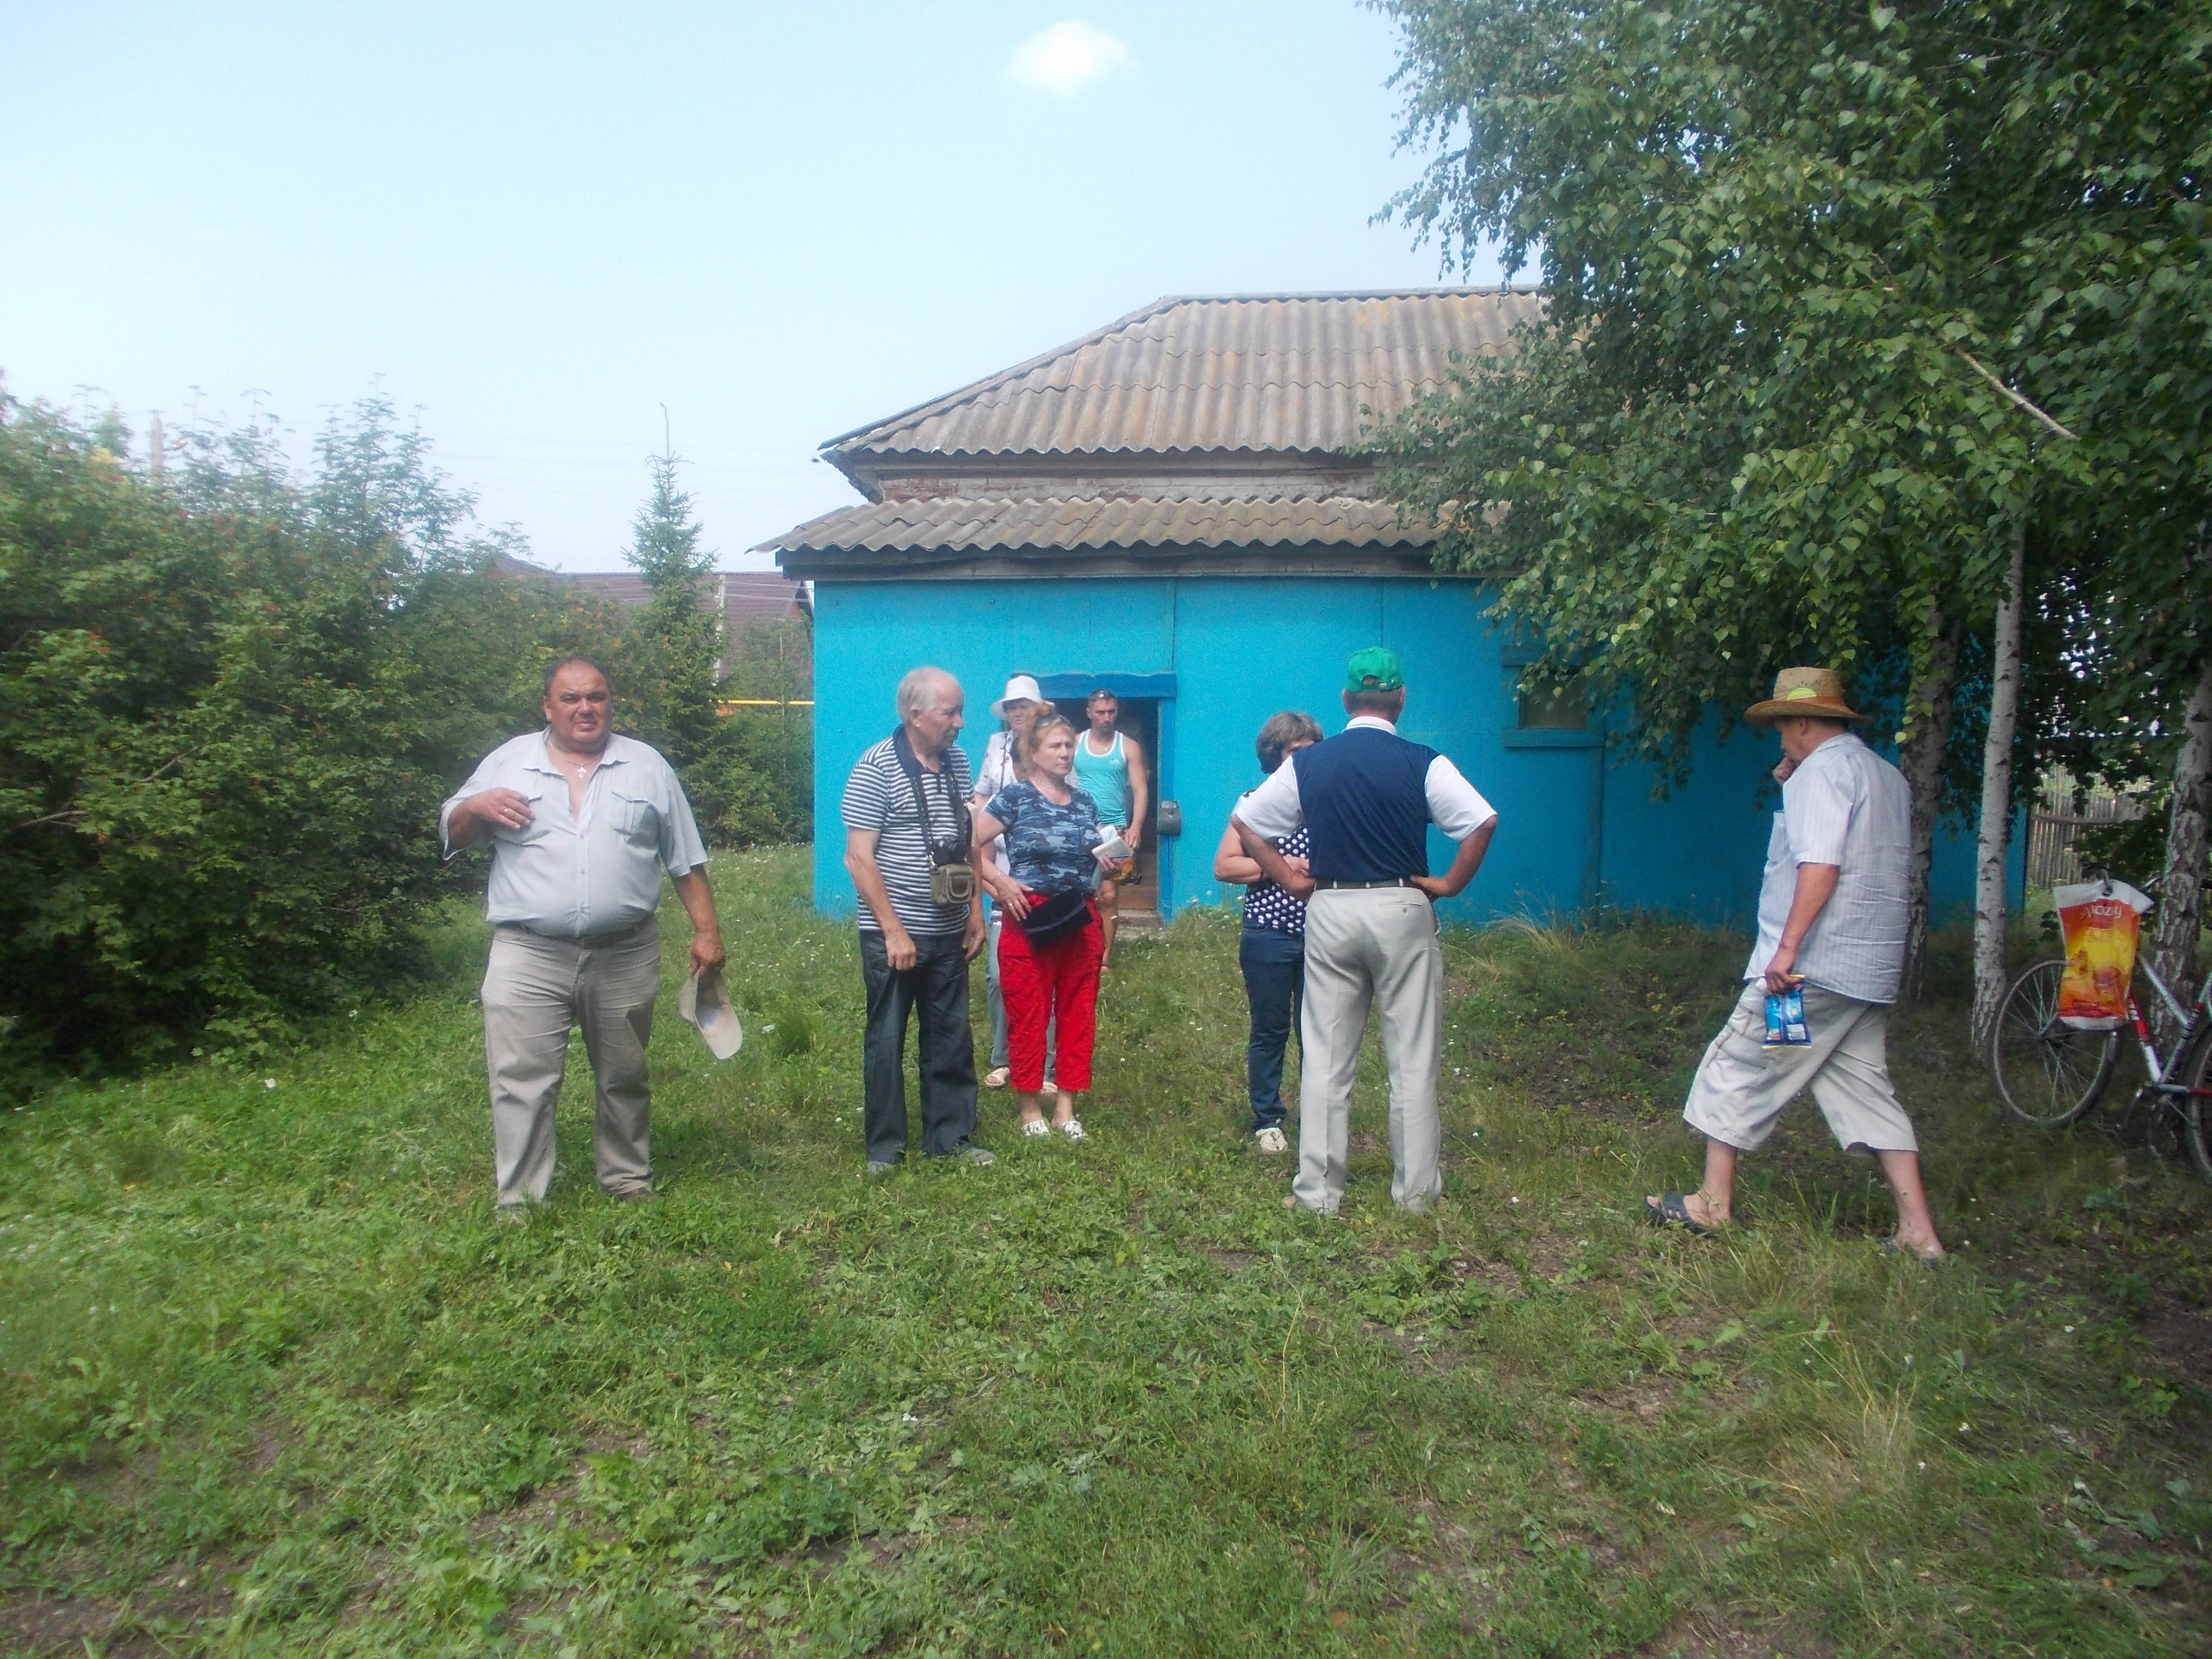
{"points": [[1379, 946], [534, 990]]}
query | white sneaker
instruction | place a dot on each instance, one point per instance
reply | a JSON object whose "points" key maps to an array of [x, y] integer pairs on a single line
{"points": [[1271, 1140]]}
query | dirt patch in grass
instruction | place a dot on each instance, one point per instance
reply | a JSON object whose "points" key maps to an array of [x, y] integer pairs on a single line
{"points": [[1714, 1634], [132, 1626]]}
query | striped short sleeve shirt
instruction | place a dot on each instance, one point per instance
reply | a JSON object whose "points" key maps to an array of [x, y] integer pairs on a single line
{"points": [[878, 797], [1847, 806]]}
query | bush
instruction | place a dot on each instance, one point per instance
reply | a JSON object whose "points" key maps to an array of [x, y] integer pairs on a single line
{"points": [[233, 701]]}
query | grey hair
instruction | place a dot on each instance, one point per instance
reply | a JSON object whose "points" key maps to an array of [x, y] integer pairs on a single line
{"points": [[917, 690]]}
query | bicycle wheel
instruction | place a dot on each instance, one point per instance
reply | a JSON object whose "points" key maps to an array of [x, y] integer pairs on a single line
{"points": [[2194, 1070], [2047, 1073]]}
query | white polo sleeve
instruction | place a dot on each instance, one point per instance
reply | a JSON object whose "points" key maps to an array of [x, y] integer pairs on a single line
{"points": [[682, 848], [1273, 810], [1455, 807], [1817, 803], [491, 772]]}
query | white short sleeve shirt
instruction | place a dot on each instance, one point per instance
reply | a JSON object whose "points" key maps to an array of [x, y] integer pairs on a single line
{"points": [[1847, 806]]}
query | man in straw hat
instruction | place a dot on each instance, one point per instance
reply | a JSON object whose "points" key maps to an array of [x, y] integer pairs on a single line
{"points": [[1831, 920]]}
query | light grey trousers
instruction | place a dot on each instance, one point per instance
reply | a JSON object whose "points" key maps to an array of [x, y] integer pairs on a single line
{"points": [[1370, 945], [534, 990]]}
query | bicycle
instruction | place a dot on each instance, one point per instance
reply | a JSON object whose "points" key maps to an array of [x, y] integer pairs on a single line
{"points": [[2049, 1075]]}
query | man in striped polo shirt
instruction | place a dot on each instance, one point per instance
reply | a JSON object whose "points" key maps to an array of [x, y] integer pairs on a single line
{"points": [[1832, 921], [906, 810], [1366, 797]]}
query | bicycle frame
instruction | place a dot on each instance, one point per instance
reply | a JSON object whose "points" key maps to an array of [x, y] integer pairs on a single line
{"points": [[2155, 1063]]}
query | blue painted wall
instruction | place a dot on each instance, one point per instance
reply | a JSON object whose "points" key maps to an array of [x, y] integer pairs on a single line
{"points": [[1241, 649]]}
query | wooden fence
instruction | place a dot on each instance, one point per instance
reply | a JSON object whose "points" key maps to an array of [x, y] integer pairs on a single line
{"points": [[2061, 813]]}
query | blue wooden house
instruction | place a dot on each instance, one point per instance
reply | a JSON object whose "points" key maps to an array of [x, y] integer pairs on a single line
{"points": [[1172, 508]]}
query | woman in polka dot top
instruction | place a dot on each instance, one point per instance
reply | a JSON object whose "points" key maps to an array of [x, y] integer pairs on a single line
{"points": [[1273, 950]]}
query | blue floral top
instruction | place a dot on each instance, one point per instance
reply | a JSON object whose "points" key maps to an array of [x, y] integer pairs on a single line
{"points": [[1047, 845]]}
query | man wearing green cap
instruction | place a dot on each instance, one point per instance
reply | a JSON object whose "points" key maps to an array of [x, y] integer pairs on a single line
{"points": [[1366, 797]]}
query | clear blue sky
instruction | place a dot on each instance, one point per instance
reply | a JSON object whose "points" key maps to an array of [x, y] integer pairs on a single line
{"points": [[535, 225]]}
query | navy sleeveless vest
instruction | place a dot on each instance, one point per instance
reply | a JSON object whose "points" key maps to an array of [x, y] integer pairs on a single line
{"points": [[1365, 797]]}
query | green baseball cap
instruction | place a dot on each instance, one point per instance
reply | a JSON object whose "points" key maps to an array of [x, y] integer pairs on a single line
{"points": [[1374, 669]]}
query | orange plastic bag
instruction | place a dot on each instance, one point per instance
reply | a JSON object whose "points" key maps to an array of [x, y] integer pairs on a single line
{"points": [[2103, 921]]}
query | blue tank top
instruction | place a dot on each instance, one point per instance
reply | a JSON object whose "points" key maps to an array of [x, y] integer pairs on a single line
{"points": [[1105, 779]]}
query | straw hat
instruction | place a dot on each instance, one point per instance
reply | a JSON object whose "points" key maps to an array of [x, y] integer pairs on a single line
{"points": [[1815, 691]]}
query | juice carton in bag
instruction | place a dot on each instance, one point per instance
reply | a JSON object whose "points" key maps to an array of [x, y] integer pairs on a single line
{"points": [[2102, 922]]}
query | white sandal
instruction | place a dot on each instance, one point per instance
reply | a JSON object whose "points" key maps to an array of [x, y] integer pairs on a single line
{"points": [[1072, 1130], [1035, 1127]]}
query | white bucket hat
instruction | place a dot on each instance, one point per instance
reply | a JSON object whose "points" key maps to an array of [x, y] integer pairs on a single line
{"points": [[1020, 688], [705, 1002]]}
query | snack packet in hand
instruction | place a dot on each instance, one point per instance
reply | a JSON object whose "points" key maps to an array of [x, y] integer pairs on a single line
{"points": [[1785, 1019]]}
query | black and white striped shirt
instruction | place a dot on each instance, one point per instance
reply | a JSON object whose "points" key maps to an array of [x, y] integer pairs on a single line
{"points": [[878, 797]]}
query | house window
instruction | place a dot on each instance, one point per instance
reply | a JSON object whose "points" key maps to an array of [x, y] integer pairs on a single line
{"points": [[1565, 709]]}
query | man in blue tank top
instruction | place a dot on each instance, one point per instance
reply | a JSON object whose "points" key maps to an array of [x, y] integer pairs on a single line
{"points": [[1366, 797]]}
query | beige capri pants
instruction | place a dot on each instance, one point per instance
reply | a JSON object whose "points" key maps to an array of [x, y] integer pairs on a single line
{"points": [[1742, 1085]]}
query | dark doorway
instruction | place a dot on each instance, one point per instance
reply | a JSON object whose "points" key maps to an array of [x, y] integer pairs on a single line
{"points": [[1140, 719]]}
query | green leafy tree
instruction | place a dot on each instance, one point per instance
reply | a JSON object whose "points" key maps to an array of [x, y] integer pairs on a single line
{"points": [[232, 702], [1792, 395]]}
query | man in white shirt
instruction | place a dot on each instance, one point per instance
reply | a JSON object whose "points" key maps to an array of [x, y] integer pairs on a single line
{"points": [[1366, 797], [582, 823], [1832, 921]]}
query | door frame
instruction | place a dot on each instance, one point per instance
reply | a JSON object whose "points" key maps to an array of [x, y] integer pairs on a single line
{"points": [[1160, 690]]}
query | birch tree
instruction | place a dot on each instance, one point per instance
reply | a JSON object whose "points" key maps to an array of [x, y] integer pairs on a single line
{"points": [[1831, 291]]}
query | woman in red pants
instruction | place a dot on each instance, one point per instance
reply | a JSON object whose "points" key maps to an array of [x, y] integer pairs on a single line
{"points": [[1050, 945]]}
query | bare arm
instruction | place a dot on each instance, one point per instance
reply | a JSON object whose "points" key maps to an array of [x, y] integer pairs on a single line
{"points": [[1229, 863], [868, 880], [988, 877], [1140, 790], [1816, 885], [1291, 877], [707, 952], [1465, 863]]}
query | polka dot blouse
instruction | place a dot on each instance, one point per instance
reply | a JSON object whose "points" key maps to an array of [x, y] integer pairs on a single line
{"points": [[1266, 904]]}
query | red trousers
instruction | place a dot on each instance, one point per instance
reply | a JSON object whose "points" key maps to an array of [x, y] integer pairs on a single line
{"points": [[1044, 982]]}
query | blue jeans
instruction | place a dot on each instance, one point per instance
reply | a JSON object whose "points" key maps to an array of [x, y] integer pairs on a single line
{"points": [[936, 990], [1274, 965]]}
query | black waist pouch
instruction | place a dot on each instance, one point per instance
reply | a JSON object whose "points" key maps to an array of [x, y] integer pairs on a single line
{"points": [[1055, 917]]}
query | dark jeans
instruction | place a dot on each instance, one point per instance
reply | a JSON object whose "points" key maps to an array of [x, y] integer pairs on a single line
{"points": [[1274, 965], [937, 985]]}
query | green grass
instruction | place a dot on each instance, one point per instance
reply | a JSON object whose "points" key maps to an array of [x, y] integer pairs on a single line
{"points": [[277, 1383]]}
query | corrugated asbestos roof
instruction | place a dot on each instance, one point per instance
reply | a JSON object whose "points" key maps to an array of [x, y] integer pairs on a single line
{"points": [[997, 523], [1283, 373]]}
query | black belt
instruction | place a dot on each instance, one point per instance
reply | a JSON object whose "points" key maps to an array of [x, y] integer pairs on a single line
{"points": [[1357, 886]]}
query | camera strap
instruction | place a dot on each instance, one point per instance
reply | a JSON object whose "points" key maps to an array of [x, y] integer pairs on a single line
{"points": [[956, 846]]}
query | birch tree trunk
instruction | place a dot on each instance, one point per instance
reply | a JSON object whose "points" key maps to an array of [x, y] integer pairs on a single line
{"points": [[1920, 757], [2181, 895], [1994, 841]]}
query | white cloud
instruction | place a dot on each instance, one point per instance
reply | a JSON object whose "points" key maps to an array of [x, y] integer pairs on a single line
{"points": [[1065, 58]]}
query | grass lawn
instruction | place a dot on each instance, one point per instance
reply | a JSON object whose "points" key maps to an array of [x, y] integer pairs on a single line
{"points": [[277, 1382]]}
